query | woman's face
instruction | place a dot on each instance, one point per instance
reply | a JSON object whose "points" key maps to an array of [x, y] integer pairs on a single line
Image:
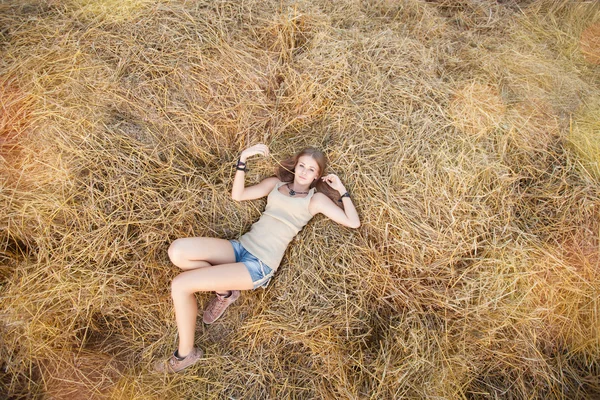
{"points": [[307, 170]]}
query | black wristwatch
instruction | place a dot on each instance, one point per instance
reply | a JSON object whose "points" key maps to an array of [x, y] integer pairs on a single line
{"points": [[344, 195], [241, 166]]}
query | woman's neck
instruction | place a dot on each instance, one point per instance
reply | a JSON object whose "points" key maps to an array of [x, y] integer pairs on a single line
{"points": [[297, 187]]}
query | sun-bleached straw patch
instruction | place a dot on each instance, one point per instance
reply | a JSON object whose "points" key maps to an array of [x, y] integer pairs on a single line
{"points": [[590, 43], [15, 117], [85, 374], [477, 108], [584, 137], [564, 284], [106, 10]]}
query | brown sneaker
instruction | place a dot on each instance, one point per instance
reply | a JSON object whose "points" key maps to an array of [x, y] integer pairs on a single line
{"points": [[218, 305], [174, 364]]}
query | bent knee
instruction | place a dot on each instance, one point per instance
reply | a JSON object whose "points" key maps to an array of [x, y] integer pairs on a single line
{"points": [[176, 252], [179, 286]]}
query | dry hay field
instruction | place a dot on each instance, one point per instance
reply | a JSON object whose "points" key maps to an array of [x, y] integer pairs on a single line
{"points": [[468, 133]]}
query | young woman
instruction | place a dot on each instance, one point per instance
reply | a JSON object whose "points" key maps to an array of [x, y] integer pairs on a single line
{"points": [[295, 195]]}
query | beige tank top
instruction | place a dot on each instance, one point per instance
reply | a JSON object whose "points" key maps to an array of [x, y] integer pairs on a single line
{"points": [[281, 221]]}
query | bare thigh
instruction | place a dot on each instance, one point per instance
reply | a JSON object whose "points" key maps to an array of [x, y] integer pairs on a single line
{"points": [[223, 277], [198, 252]]}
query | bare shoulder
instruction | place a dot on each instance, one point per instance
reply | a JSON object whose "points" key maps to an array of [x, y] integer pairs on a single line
{"points": [[317, 202], [319, 197], [271, 181]]}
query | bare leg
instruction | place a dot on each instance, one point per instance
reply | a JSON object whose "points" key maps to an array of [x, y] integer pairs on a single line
{"points": [[221, 278], [200, 252]]}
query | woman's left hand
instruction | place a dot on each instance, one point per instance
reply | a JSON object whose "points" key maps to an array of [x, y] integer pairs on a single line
{"points": [[335, 183]]}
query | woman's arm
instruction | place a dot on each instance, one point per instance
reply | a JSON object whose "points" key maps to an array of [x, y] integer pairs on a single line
{"points": [[238, 191], [322, 204]]}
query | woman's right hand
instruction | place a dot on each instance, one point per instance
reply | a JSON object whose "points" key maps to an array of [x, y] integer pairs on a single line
{"points": [[256, 149]]}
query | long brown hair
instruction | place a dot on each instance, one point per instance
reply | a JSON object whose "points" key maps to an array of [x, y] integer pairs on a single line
{"points": [[285, 172]]}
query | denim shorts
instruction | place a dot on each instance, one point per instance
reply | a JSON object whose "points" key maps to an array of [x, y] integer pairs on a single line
{"points": [[260, 272]]}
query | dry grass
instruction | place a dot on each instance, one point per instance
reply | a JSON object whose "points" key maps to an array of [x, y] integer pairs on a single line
{"points": [[466, 130], [584, 137], [590, 43]]}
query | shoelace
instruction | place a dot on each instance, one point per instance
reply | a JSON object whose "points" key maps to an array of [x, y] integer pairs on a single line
{"points": [[220, 304]]}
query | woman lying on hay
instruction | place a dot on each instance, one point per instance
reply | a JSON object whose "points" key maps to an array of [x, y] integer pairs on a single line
{"points": [[294, 196]]}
